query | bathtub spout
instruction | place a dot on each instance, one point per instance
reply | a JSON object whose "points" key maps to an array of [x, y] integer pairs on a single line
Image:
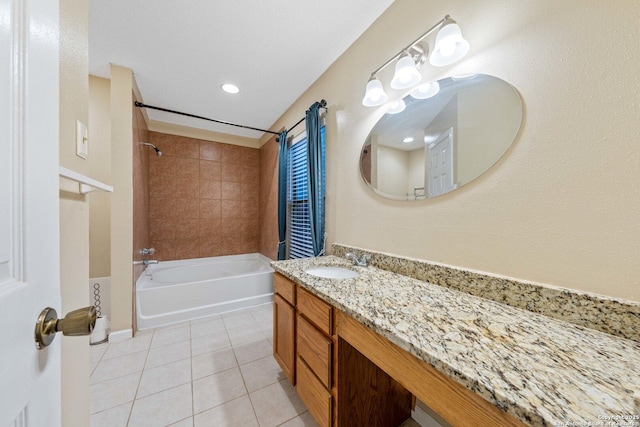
{"points": [[149, 261]]}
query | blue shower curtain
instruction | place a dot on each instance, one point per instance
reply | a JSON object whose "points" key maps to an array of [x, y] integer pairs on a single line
{"points": [[283, 154], [315, 175]]}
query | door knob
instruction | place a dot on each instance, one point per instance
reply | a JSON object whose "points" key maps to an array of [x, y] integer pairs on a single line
{"points": [[75, 323]]}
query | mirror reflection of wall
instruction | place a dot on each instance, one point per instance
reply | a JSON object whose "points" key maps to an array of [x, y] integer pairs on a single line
{"points": [[443, 142]]}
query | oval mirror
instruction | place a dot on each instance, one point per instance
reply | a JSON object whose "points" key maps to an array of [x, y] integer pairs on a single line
{"points": [[449, 134]]}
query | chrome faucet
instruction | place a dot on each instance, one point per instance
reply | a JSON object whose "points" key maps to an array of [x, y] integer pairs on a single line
{"points": [[149, 261], [362, 262]]}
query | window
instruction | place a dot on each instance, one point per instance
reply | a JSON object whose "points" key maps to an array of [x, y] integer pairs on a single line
{"points": [[298, 219]]}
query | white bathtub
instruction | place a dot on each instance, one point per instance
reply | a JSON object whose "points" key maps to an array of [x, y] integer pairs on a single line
{"points": [[175, 291]]}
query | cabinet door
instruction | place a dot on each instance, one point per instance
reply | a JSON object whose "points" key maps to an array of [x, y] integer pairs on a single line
{"points": [[284, 317]]}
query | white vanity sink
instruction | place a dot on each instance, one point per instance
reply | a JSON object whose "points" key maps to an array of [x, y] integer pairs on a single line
{"points": [[332, 272]]}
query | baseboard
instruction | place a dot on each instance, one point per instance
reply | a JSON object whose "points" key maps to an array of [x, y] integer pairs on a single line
{"points": [[116, 336], [424, 419]]}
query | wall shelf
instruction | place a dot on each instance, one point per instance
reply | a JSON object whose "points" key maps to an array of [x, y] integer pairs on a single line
{"points": [[86, 184]]}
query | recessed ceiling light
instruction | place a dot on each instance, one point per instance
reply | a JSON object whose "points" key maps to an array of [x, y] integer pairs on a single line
{"points": [[407, 140], [230, 88]]}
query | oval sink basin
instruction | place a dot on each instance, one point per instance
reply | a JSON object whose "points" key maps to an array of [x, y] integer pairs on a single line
{"points": [[332, 272]]}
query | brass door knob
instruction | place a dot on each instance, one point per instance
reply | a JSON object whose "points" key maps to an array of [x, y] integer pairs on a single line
{"points": [[75, 323]]}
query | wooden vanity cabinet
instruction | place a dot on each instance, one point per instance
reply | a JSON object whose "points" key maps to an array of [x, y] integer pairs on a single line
{"points": [[377, 380], [314, 349], [284, 325]]}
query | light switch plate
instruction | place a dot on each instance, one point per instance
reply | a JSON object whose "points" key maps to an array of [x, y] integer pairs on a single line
{"points": [[82, 140]]}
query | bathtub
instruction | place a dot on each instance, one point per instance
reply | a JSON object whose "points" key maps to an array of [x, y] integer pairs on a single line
{"points": [[175, 291]]}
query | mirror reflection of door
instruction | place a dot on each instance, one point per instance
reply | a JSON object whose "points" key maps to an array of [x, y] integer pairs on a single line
{"points": [[439, 158], [461, 131]]}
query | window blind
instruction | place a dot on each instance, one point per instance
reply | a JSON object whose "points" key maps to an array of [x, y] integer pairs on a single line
{"points": [[298, 219]]}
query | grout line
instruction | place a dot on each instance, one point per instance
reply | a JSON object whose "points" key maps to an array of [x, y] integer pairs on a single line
{"points": [[135, 396], [99, 360], [193, 403]]}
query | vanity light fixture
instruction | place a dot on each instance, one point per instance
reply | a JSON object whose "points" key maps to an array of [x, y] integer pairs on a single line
{"points": [[449, 47], [375, 93], [407, 74], [426, 90], [396, 107]]}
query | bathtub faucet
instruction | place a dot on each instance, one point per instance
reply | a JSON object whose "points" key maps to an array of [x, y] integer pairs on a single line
{"points": [[149, 261]]}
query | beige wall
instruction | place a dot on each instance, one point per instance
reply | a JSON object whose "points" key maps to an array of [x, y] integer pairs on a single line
{"points": [[140, 155], [100, 202], [392, 170], [562, 206], [121, 95], [74, 209]]}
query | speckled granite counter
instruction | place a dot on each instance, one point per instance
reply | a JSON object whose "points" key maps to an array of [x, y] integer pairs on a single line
{"points": [[543, 371]]}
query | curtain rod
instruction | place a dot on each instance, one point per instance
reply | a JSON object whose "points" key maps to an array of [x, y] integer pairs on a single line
{"points": [[323, 104]]}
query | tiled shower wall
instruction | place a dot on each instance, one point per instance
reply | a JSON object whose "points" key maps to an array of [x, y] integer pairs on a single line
{"points": [[269, 199], [203, 198]]}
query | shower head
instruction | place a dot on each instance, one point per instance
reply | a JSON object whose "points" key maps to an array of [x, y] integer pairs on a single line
{"points": [[158, 152]]}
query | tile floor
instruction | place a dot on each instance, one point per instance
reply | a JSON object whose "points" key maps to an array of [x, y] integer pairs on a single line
{"points": [[217, 371]]}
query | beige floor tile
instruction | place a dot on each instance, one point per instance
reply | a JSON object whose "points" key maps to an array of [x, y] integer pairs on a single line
{"points": [[171, 336], [162, 409], [276, 404], [209, 343], [244, 335], [248, 352], [114, 417], [263, 315], [217, 389], [188, 422], [238, 412], [112, 393], [164, 377], [118, 367], [205, 328], [211, 363], [261, 373], [168, 354], [96, 352], [206, 319], [411, 423], [173, 326], [302, 420], [128, 346], [242, 319]]}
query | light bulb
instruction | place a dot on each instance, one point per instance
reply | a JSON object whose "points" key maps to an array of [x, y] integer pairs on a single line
{"points": [[396, 107], [406, 74], [450, 46], [374, 93], [407, 140], [426, 90]]}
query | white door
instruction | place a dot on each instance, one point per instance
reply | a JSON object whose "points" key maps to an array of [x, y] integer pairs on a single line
{"points": [[29, 241], [439, 175]]}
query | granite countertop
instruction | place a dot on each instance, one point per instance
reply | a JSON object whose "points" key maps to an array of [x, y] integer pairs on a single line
{"points": [[544, 371]]}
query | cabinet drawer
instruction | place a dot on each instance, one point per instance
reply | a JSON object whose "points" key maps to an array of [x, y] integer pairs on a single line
{"points": [[285, 287], [284, 317], [313, 394], [315, 349], [315, 310]]}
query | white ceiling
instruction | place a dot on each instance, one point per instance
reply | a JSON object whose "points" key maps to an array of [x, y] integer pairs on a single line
{"points": [[182, 51]]}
